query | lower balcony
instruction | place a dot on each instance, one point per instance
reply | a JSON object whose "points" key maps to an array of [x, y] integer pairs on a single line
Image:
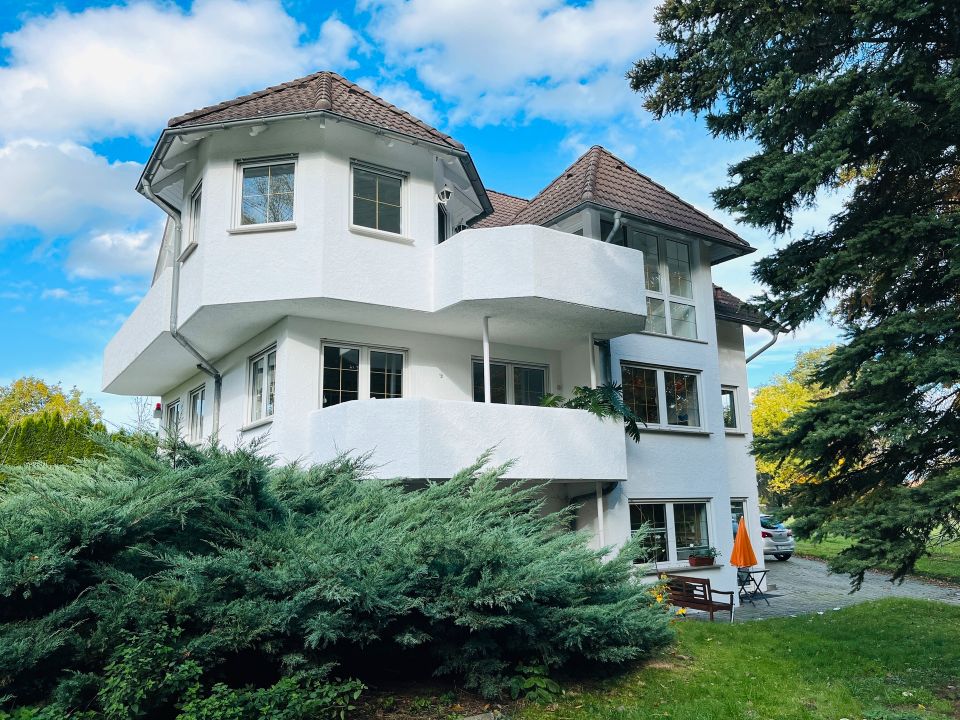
{"points": [[425, 438]]}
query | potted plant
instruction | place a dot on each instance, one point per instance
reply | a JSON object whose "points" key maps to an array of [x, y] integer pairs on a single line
{"points": [[701, 556]]}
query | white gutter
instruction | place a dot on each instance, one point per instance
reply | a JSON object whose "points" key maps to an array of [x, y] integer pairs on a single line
{"points": [[202, 363]]}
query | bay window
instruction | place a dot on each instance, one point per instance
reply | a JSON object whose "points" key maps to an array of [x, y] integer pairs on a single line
{"points": [[511, 383], [266, 192], [661, 397], [676, 528], [355, 372], [377, 198]]}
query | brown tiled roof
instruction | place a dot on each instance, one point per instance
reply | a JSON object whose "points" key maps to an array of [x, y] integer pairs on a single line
{"points": [[729, 307], [505, 207], [601, 178], [321, 91]]}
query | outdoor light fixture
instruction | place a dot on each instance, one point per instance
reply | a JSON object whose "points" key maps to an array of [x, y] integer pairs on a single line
{"points": [[443, 197], [158, 411], [257, 129]]}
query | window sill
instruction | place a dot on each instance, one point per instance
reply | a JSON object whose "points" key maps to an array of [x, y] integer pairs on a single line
{"points": [[381, 234], [736, 433], [187, 252], [675, 431], [673, 337], [257, 424], [678, 567], [263, 227]]}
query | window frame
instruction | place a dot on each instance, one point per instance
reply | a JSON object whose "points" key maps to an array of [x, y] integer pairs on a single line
{"points": [[510, 365], [195, 423], [743, 513], [673, 551], [168, 418], [251, 385], [443, 224], [196, 212], [733, 392], [364, 368], [245, 163], [662, 408], [401, 175]]}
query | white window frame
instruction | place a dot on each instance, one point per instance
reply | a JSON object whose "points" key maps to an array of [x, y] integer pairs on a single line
{"points": [[363, 382], [672, 551], [395, 173], [742, 501], [735, 395], [251, 402], [245, 163], [510, 365], [196, 212], [662, 396], [195, 422], [169, 426], [441, 210]]}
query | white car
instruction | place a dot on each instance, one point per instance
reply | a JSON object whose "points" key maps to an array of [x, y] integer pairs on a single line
{"points": [[777, 539]]}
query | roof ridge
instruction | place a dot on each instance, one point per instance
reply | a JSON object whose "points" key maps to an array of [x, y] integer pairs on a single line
{"points": [[668, 192], [509, 195], [323, 96], [553, 182], [210, 109], [590, 176], [400, 111]]}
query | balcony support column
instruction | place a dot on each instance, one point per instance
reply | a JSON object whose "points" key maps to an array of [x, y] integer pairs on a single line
{"points": [[600, 534], [487, 395]]}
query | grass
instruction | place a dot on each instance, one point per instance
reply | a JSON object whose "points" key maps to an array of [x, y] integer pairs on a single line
{"points": [[943, 563], [883, 660]]}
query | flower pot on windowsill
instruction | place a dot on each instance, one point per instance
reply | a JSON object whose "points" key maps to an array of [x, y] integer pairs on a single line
{"points": [[700, 561]]}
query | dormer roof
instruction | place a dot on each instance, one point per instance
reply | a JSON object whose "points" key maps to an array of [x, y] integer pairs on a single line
{"points": [[323, 90], [601, 178]]}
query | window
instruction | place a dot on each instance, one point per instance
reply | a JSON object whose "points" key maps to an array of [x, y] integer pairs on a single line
{"points": [[359, 372], [196, 414], [656, 394], [263, 384], [266, 194], [737, 510], [174, 419], [377, 198], [195, 206], [527, 387], [668, 278], [677, 528], [728, 396], [443, 223]]}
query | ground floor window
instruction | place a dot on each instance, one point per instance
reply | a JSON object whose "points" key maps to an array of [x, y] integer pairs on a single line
{"points": [[728, 396], [196, 413], [263, 384], [676, 528], [174, 419], [737, 511], [661, 397], [511, 383], [354, 372]]}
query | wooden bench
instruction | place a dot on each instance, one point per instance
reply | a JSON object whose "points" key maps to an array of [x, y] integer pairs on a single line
{"points": [[696, 593]]}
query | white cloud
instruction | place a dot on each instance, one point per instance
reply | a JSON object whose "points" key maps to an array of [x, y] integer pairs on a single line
{"points": [[404, 97], [62, 187], [498, 59], [124, 69], [114, 254], [78, 295]]}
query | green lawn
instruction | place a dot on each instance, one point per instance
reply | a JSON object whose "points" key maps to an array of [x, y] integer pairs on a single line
{"points": [[888, 659], [942, 564]]}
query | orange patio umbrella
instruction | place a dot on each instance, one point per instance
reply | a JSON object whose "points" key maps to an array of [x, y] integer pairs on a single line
{"points": [[742, 555]]}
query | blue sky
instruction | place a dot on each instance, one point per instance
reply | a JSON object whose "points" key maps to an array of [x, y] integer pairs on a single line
{"points": [[85, 88]]}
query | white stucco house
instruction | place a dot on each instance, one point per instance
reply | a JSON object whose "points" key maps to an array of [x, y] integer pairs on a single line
{"points": [[335, 276]]}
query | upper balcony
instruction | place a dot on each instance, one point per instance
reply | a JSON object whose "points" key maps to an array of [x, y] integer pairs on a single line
{"points": [[424, 438], [538, 287]]}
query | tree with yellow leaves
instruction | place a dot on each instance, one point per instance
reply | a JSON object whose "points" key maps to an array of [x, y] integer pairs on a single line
{"points": [[31, 397]]}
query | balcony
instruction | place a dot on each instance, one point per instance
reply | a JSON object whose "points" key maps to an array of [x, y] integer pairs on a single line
{"points": [[423, 438]]}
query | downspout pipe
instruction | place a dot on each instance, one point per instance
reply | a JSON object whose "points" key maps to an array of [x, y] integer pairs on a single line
{"points": [[767, 346], [203, 364], [617, 219]]}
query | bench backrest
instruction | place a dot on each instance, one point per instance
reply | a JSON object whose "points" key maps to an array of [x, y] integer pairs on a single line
{"points": [[684, 588]]}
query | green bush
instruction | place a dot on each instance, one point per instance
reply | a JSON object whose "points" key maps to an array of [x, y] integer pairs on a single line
{"points": [[137, 584]]}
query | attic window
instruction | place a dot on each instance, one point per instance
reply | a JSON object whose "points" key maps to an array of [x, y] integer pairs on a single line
{"points": [[266, 194]]}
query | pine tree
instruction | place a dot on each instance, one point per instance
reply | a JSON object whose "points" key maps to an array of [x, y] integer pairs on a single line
{"points": [[864, 97]]}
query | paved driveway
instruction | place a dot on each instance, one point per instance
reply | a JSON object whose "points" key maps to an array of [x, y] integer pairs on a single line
{"points": [[800, 586]]}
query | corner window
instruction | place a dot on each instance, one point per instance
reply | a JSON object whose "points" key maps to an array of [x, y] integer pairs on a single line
{"points": [[354, 372], [195, 207], [377, 199], [443, 224], [263, 385], [660, 397], [677, 528], [266, 192], [196, 413], [511, 383], [728, 397], [174, 419], [737, 511]]}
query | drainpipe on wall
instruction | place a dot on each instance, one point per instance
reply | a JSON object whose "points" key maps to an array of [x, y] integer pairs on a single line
{"points": [[617, 217], [202, 363], [776, 334]]}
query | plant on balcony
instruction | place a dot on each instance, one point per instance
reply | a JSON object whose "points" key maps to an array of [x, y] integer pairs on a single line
{"points": [[604, 401], [173, 584]]}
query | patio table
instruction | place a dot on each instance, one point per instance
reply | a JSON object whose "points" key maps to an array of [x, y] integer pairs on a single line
{"points": [[749, 583]]}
